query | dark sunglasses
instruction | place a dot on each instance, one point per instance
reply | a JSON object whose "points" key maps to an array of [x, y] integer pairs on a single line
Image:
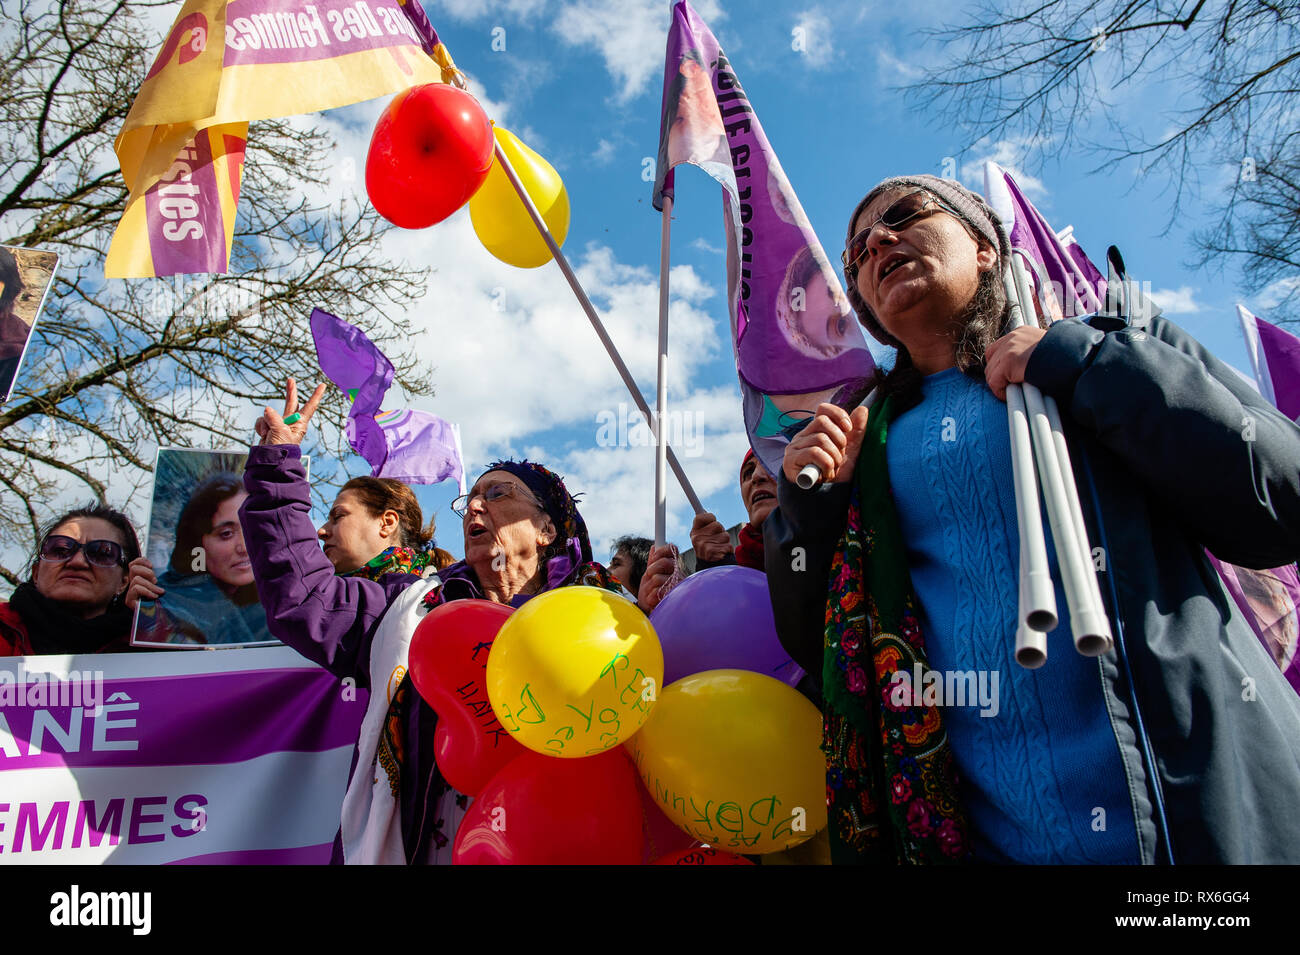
{"points": [[58, 549], [899, 214]]}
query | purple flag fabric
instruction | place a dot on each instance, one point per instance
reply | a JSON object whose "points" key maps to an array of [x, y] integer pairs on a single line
{"points": [[411, 446], [797, 342], [1066, 282], [420, 21], [421, 448], [351, 360], [1275, 360]]}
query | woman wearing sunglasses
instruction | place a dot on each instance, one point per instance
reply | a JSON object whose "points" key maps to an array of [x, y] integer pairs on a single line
{"points": [[1183, 743], [74, 601], [523, 536]]}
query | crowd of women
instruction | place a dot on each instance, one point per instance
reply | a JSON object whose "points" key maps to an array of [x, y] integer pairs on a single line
{"points": [[1182, 744]]}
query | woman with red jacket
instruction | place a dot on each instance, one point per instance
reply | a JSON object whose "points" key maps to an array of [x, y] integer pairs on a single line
{"points": [[76, 598]]}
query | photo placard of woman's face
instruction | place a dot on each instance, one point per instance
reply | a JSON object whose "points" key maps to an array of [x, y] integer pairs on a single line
{"points": [[196, 546]]}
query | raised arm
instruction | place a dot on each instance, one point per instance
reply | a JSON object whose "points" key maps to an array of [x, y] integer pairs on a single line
{"points": [[328, 619]]}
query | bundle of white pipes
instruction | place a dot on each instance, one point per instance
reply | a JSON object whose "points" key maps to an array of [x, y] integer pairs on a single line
{"points": [[1040, 458]]}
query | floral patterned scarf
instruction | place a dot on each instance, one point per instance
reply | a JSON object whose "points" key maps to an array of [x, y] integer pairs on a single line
{"points": [[891, 782], [394, 560]]}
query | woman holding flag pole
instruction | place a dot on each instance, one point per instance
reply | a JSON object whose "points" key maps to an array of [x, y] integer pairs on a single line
{"points": [[1182, 743]]}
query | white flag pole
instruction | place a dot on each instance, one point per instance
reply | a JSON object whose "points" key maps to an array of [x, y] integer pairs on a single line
{"points": [[661, 397], [459, 80], [585, 302]]}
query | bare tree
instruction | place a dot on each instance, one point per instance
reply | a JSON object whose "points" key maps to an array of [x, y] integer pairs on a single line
{"points": [[117, 368], [1047, 71]]}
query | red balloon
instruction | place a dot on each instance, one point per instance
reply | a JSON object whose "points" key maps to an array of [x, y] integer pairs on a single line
{"points": [[703, 856], [431, 150], [540, 810], [447, 657]]}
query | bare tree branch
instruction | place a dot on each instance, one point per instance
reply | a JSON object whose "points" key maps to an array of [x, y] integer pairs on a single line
{"points": [[116, 368], [1052, 74]]}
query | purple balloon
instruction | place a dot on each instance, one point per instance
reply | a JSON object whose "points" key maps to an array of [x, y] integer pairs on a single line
{"points": [[720, 619]]}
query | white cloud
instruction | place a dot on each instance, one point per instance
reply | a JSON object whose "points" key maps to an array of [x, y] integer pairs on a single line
{"points": [[703, 245], [517, 365], [894, 71], [1179, 301], [471, 11], [628, 34], [811, 36], [618, 482], [604, 153], [1275, 293], [1009, 154]]}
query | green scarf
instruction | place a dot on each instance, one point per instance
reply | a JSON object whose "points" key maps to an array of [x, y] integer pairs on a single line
{"points": [[891, 783]]}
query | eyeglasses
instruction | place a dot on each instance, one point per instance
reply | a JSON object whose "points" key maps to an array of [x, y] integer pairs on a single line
{"points": [[490, 494], [899, 214], [58, 549]]}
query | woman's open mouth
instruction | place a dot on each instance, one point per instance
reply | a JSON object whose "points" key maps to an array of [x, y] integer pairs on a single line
{"points": [[889, 266]]}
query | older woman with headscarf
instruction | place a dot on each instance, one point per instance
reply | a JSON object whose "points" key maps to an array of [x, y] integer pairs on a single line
{"points": [[523, 536], [1183, 743]]}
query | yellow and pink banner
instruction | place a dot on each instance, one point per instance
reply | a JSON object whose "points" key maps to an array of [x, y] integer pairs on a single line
{"points": [[226, 63]]}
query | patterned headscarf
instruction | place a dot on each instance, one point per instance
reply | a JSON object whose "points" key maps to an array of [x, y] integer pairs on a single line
{"points": [[555, 499]]}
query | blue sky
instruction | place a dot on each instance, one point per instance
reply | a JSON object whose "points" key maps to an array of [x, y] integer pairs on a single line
{"points": [[514, 359]]}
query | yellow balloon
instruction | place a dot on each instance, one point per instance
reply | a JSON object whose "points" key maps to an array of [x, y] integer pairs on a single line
{"points": [[575, 671], [500, 220], [735, 759]]}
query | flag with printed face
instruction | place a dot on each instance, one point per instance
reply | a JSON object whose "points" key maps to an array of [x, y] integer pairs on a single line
{"points": [[412, 446], [1065, 281], [797, 342], [1275, 360], [223, 64]]}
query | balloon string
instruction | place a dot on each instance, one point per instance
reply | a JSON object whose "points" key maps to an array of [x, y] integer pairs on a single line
{"points": [[677, 575]]}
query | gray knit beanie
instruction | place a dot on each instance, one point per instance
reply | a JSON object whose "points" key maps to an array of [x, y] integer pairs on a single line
{"points": [[970, 206]]}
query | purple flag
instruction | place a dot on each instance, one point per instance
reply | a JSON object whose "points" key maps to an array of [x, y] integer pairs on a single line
{"points": [[411, 446], [420, 21], [1066, 282], [796, 339], [1275, 360], [421, 448]]}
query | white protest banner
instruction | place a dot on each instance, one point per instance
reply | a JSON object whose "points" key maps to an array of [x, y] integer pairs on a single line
{"points": [[146, 758]]}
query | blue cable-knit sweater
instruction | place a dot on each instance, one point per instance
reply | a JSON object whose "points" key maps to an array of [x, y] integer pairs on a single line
{"points": [[1042, 780]]}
